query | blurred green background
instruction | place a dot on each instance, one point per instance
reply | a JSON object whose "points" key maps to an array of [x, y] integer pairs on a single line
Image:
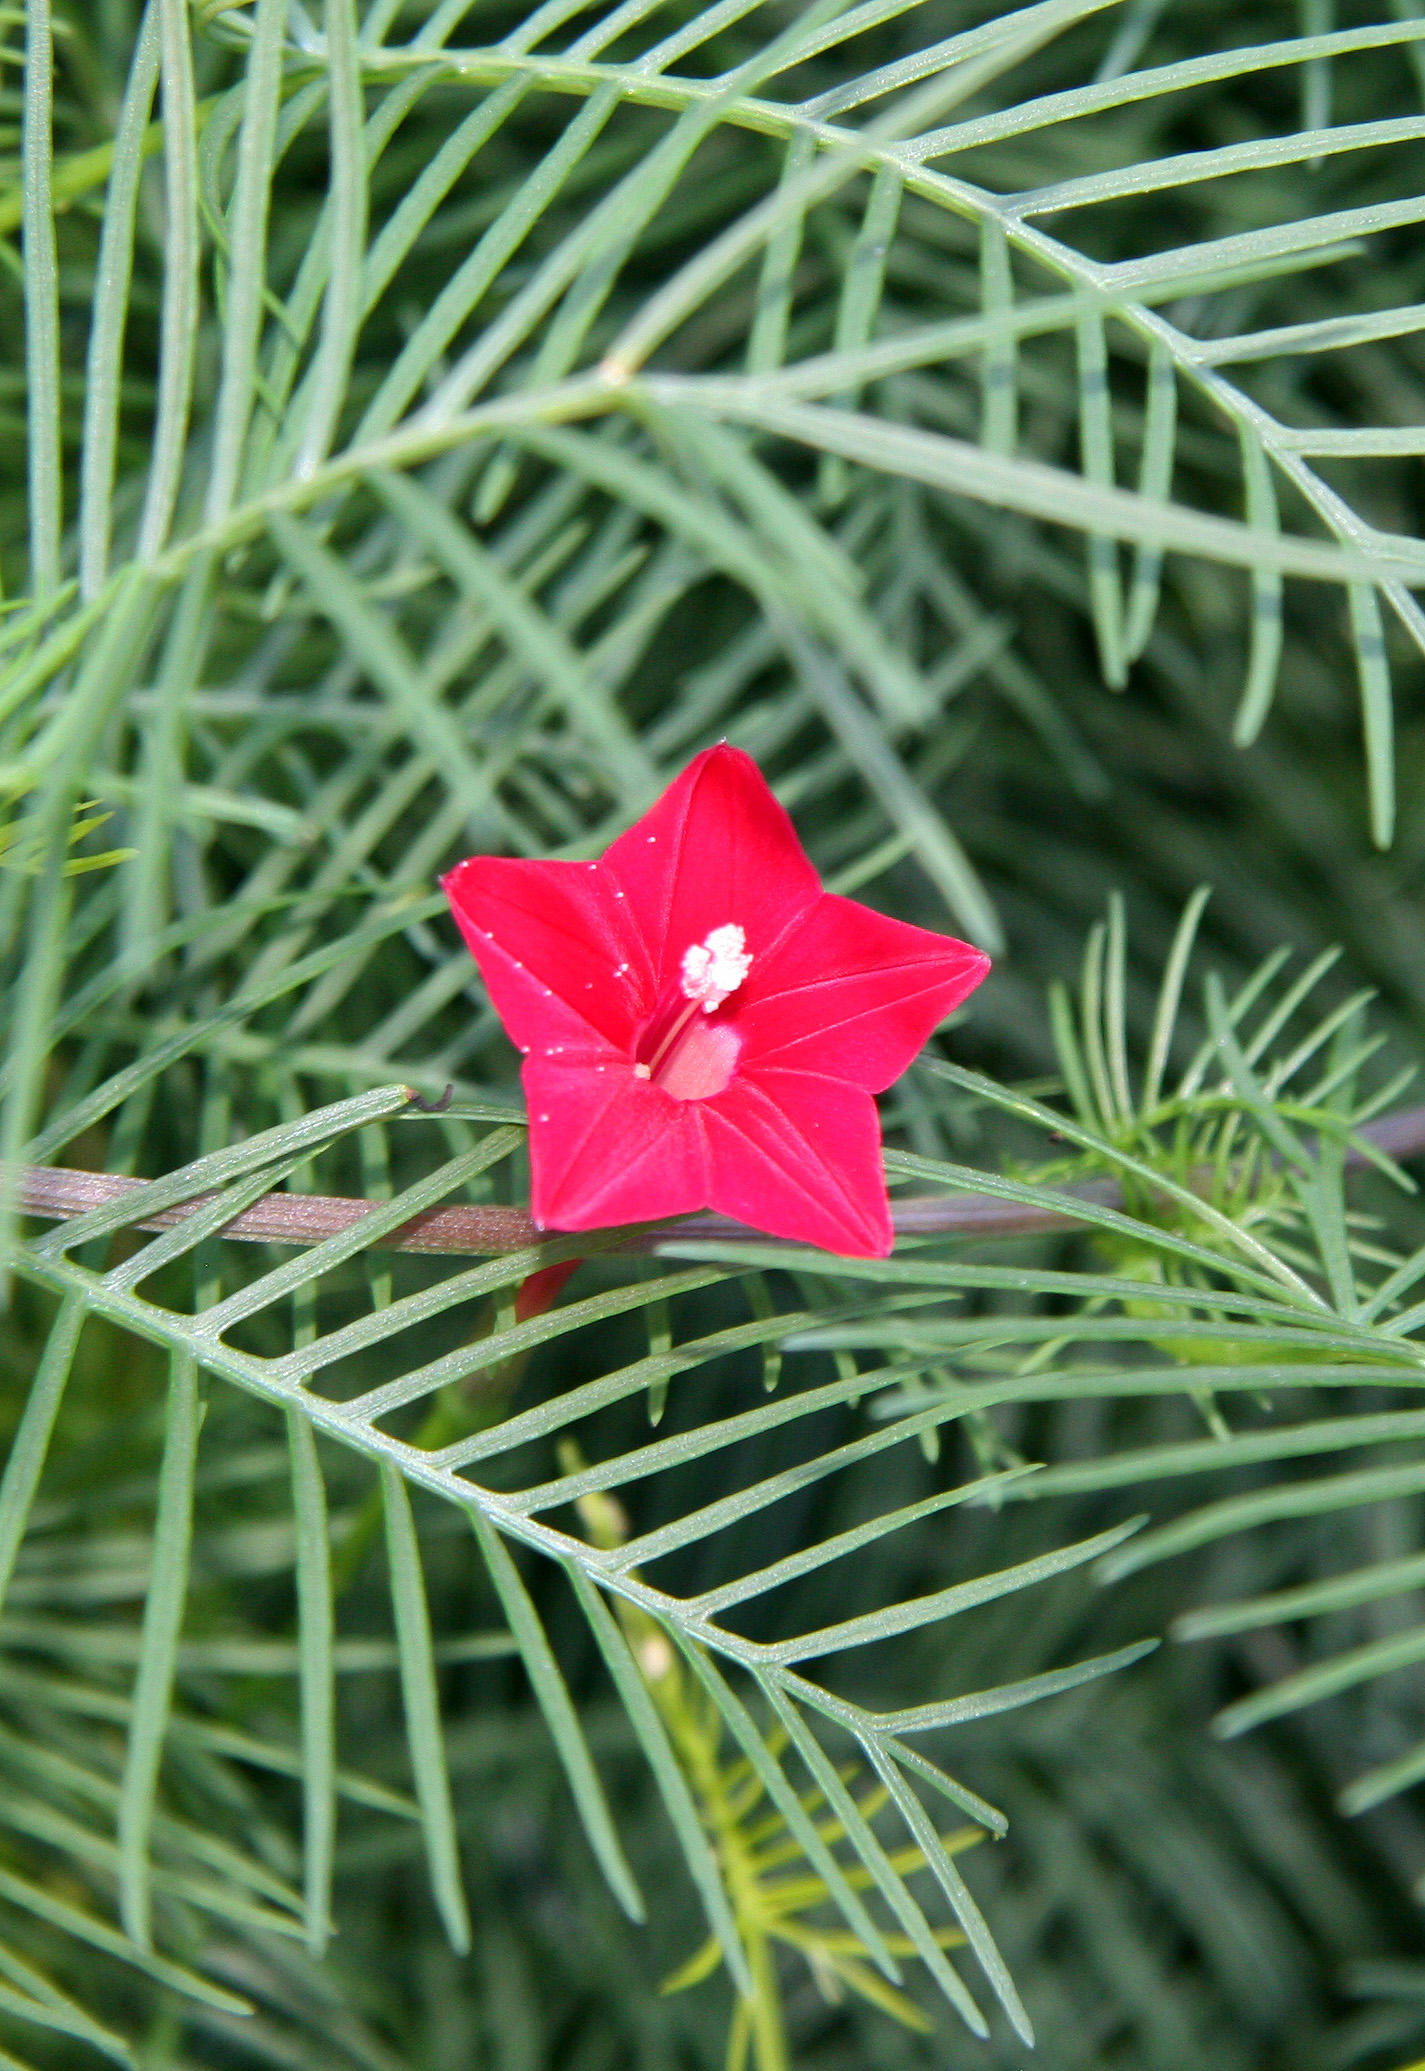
{"points": [[422, 428]]}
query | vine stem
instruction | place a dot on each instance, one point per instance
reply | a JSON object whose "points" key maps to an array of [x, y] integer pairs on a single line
{"points": [[57, 1192]]}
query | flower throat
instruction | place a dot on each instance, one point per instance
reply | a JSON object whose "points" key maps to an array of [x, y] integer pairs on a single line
{"points": [[679, 1048]]}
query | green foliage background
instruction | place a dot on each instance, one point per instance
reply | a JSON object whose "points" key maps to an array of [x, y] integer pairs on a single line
{"points": [[421, 429]]}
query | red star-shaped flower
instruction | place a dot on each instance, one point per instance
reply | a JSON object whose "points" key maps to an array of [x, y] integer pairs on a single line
{"points": [[703, 1025]]}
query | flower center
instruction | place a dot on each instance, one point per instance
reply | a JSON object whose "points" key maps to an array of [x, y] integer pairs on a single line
{"points": [[678, 1048], [713, 969]]}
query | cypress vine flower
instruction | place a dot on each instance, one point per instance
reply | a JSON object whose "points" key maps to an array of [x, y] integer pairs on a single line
{"points": [[702, 1025]]}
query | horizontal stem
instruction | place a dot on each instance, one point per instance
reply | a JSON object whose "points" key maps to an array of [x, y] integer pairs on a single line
{"points": [[57, 1192]]}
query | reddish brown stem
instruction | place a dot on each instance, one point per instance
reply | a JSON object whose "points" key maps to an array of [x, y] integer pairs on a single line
{"points": [[56, 1192]]}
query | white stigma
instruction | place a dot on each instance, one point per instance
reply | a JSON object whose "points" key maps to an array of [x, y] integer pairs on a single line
{"points": [[714, 968]]}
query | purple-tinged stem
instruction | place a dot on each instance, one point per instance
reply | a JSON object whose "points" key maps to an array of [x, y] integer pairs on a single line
{"points": [[56, 1192]]}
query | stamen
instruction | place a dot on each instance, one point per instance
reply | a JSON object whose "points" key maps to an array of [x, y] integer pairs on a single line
{"points": [[714, 968], [711, 972]]}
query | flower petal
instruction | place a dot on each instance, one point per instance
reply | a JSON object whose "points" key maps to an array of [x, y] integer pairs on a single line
{"points": [[606, 1147], [560, 958], [851, 993], [716, 849], [800, 1156]]}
